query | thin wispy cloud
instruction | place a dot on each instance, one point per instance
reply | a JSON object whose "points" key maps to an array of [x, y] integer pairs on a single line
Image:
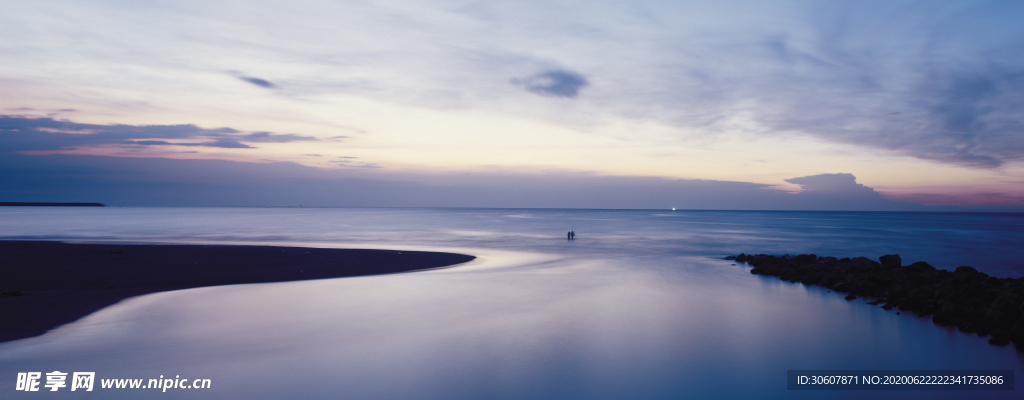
{"points": [[882, 79], [950, 113], [43, 134], [221, 143], [269, 137], [353, 162], [258, 82]]}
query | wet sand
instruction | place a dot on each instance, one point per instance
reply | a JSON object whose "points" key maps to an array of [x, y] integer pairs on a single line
{"points": [[47, 284]]}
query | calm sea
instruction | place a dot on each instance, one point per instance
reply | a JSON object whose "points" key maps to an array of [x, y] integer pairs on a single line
{"points": [[640, 306]]}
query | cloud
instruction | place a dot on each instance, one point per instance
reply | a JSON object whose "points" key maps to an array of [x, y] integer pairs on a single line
{"points": [[864, 74], [258, 82], [222, 143], [555, 83], [833, 184], [267, 137], [963, 116], [46, 134], [898, 78], [973, 117], [173, 182], [349, 161], [842, 192], [227, 143]]}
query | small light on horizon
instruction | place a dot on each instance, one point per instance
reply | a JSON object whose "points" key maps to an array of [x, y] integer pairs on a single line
{"points": [[673, 208]]}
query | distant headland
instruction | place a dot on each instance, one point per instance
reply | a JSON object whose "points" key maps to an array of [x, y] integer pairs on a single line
{"points": [[29, 204]]}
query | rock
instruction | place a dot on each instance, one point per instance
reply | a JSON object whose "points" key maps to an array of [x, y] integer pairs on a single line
{"points": [[965, 298], [881, 276], [890, 261], [984, 330], [1017, 331], [863, 262], [966, 270], [741, 258], [1006, 309], [1001, 334]]}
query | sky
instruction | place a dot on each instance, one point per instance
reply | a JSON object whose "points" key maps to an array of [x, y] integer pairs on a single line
{"points": [[868, 105]]}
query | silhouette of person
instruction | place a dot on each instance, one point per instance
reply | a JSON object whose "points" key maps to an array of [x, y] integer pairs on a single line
{"points": [[568, 236], [572, 234]]}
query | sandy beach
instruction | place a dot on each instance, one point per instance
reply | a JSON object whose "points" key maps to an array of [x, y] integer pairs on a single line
{"points": [[46, 284]]}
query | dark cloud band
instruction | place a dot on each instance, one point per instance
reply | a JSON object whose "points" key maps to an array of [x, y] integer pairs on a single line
{"points": [[42, 134]]}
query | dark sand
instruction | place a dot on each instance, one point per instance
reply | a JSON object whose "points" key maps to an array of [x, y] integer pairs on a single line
{"points": [[26, 204], [48, 284]]}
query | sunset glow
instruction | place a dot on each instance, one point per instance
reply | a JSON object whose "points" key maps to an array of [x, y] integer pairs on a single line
{"points": [[746, 92]]}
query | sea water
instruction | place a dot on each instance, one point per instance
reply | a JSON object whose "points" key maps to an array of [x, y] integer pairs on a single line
{"points": [[641, 305]]}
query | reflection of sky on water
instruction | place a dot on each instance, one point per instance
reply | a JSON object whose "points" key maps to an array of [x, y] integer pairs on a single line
{"points": [[634, 308]]}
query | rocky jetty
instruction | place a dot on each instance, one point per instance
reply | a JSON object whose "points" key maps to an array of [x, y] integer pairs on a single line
{"points": [[966, 298]]}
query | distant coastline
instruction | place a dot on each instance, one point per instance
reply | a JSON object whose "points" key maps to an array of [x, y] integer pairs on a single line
{"points": [[31, 204]]}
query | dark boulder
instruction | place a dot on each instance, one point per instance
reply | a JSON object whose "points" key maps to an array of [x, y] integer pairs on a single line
{"points": [[968, 327], [1001, 334], [966, 270], [984, 329], [890, 261], [942, 318], [1005, 308], [1017, 331]]}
